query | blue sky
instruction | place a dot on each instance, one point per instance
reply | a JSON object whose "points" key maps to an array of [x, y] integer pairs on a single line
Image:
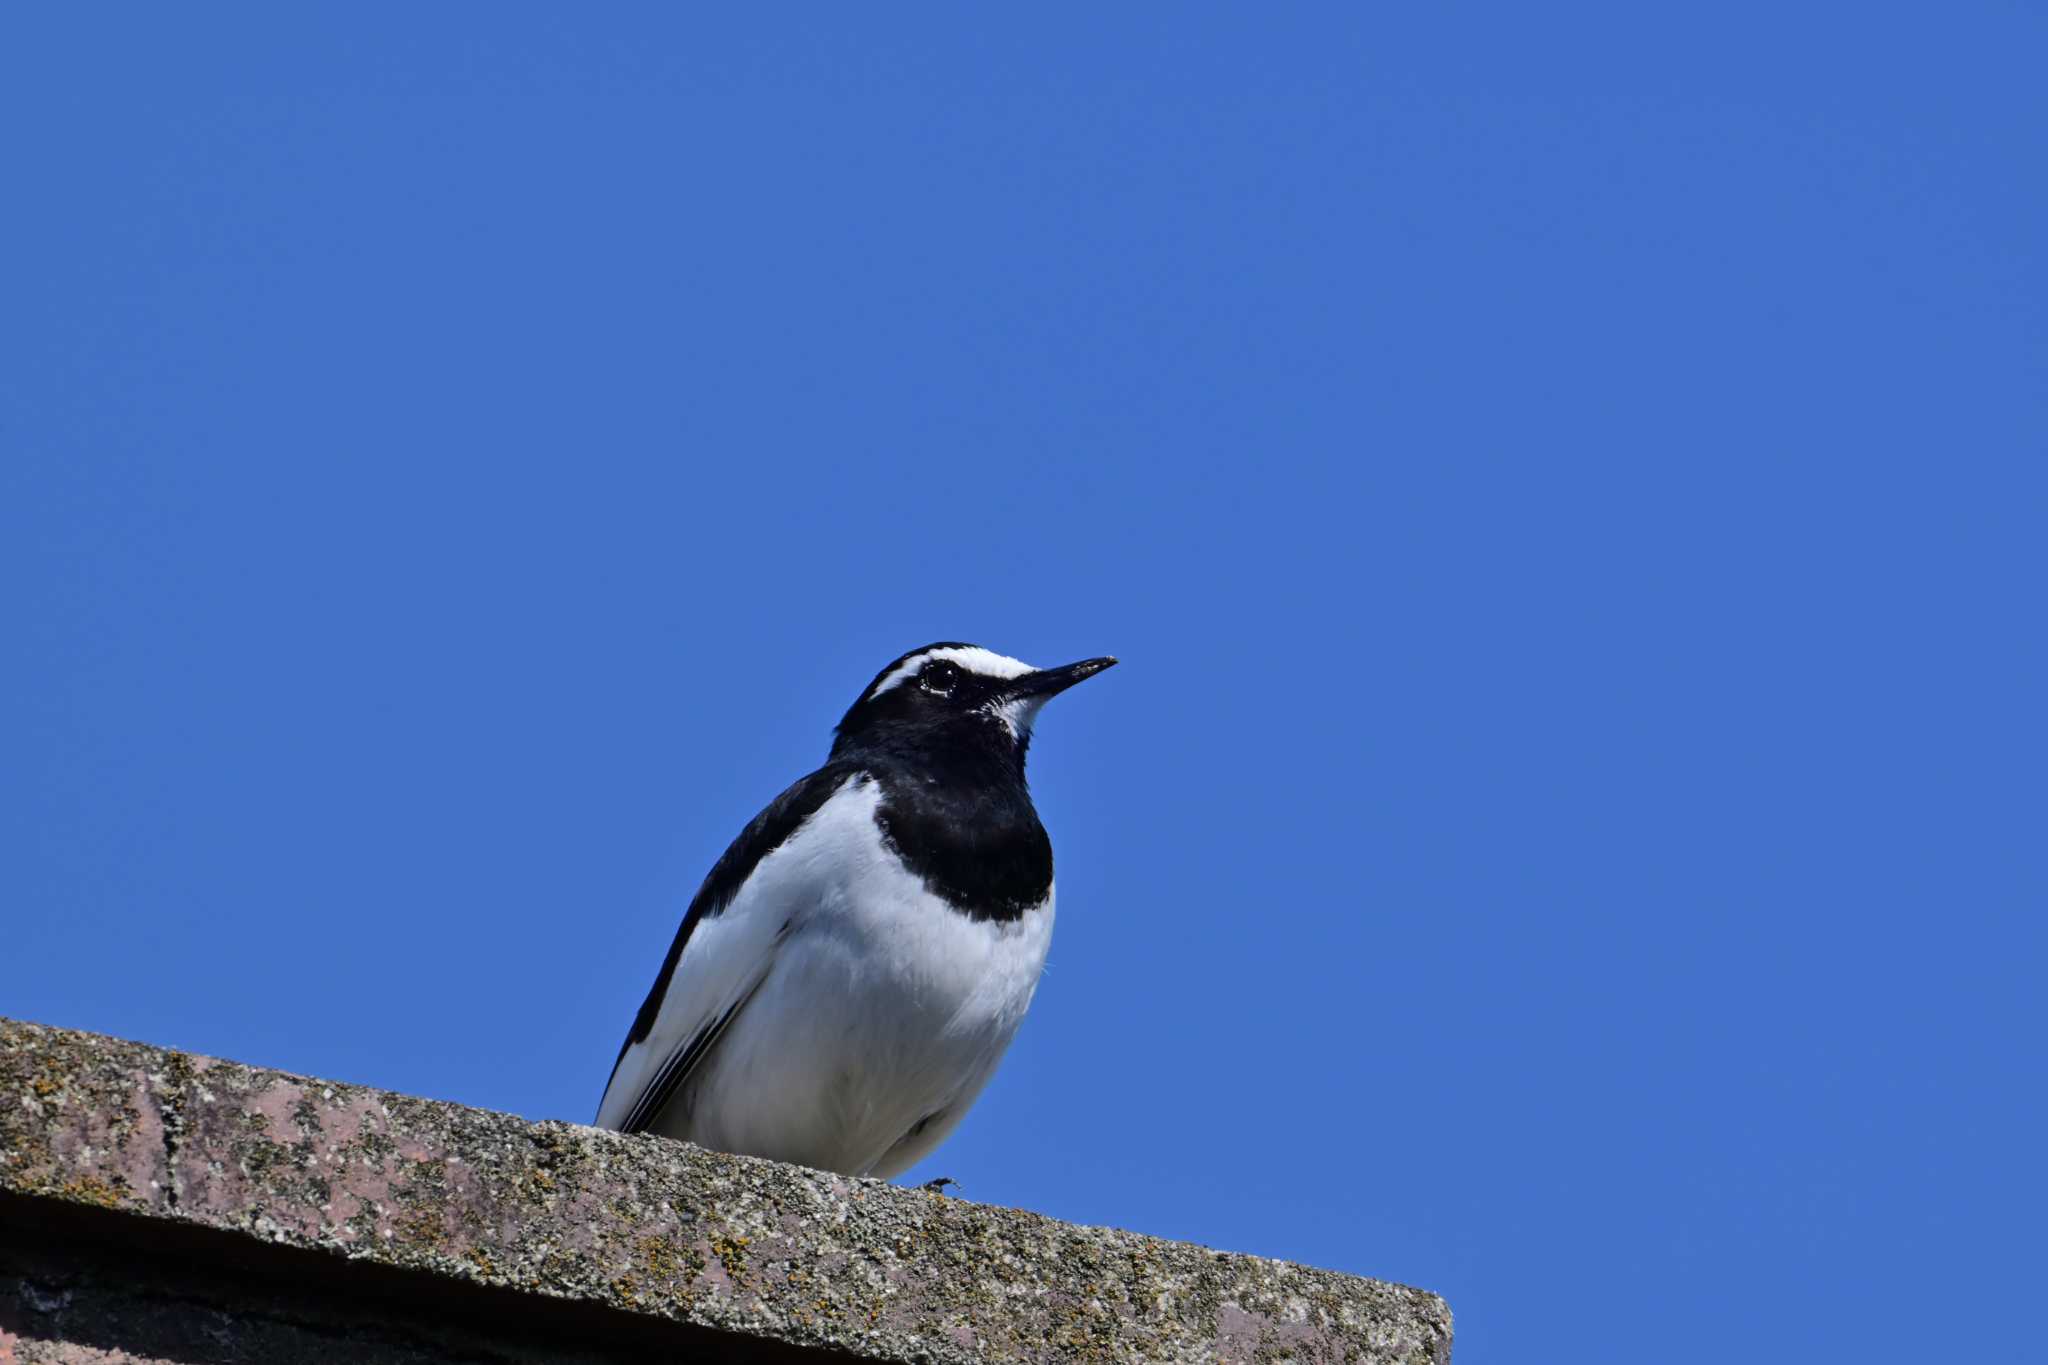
{"points": [[1566, 484]]}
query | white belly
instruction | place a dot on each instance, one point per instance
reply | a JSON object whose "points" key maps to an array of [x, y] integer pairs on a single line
{"points": [[884, 1009]]}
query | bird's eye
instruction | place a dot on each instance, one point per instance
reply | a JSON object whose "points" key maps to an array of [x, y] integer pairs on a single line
{"points": [[938, 678]]}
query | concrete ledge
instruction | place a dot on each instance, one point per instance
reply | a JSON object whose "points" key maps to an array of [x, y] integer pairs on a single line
{"points": [[158, 1205]]}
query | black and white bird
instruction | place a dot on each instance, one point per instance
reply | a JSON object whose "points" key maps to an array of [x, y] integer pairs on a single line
{"points": [[854, 966]]}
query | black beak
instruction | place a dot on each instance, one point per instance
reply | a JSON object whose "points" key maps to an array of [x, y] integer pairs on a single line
{"points": [[1047, 681]]}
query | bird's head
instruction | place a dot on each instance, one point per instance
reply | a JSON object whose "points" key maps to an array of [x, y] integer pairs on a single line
{"points": [[956, 691]]}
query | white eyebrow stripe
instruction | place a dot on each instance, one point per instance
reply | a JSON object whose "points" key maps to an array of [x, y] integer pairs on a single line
{"points": [[972, 658]]}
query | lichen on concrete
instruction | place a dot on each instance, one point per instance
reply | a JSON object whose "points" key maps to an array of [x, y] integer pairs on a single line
{"points": [[651, 1228]]}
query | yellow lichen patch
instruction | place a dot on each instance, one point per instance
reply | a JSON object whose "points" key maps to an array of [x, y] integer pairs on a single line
{"points": [[90, 1189], [732, 1254], [483, 1261], [53, 1077], [421, 1226], [627, 1288], [668, 1261]]}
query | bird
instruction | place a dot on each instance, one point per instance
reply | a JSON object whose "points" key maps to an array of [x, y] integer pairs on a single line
{"points": [[854, 966]]}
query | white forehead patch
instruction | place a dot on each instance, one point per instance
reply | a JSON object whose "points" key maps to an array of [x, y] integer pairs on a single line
{"points": [[971, 658]]}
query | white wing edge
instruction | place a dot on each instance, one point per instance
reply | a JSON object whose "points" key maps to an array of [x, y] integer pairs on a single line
{"points": [[726, 959]]}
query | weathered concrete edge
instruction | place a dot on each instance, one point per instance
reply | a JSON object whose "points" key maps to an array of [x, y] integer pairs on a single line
{"points": [[652, 1228]]}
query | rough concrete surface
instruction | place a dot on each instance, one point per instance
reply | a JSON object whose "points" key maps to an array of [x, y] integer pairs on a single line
{"points": [[165, 1191]]}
